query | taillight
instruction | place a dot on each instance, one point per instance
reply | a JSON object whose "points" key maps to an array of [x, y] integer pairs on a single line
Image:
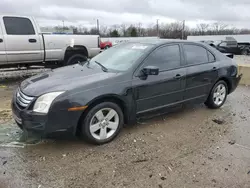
{"points": [[234, 70]]}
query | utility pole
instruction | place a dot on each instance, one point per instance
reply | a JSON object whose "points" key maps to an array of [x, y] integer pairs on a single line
{"points": [[97, 27], [139, 29], [63, 26], [157, 27], [183, 30]]}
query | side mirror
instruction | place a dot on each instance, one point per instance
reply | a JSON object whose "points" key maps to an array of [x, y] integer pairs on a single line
{"points": [[150, 70]]}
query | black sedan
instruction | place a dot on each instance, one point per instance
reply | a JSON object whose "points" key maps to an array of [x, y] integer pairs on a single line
{"points": [[97, 97]]}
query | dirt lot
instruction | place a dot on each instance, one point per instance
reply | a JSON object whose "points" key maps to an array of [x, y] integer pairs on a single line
{"points": [[182, 149]]}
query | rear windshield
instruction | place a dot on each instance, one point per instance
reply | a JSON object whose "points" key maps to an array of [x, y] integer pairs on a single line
{"points": [[121, 57]]}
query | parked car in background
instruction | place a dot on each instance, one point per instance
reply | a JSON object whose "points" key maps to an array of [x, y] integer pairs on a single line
{"points": [[106, 45], [96, 98], [230, 46], [22, 43], [245, 48]]}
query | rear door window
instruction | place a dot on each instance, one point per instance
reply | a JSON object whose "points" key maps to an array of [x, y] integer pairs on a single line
{"points": [[195, 54], [211, 57], [18, 26]]}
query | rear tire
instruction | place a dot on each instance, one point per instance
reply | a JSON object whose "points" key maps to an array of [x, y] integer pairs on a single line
{"points": [[76, 58], [244, 52], [102, 123], [218, 95], [107, 47]]}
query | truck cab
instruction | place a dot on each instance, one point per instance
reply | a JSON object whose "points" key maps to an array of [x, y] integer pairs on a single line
{"points": [[20, 40], [3, 57], [22, 43]]}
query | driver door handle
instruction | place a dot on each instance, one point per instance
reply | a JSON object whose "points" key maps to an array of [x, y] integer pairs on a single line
{"points": [[177, 76], [32, 40]]}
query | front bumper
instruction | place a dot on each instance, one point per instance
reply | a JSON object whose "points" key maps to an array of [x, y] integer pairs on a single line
{"points": [[44, 124], [27, 121]]}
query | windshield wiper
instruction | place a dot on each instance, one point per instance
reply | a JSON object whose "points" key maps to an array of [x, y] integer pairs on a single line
{"points": [[88, 61], [103, 67]]}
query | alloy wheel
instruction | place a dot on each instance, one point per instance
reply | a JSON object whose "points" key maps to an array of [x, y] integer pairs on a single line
{"points": [[104, 124], [219, 94]]}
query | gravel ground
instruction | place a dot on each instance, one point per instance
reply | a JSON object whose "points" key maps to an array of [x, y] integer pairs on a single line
{"points": [[192, 147], [7, 75]]}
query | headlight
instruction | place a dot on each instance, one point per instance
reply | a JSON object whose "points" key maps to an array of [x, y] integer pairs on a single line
{"points": [[43, 103]]}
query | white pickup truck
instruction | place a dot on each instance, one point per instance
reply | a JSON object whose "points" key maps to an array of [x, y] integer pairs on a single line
{"points": [[22, 43]]}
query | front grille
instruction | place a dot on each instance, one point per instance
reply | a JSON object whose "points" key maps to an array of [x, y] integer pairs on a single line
{"points": [[22, 99]]}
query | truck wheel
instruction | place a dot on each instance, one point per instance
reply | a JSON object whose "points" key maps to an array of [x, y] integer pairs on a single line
{"points": [[244, 52], [74, 59], [218, 95], [107, 47], [102, 123]]}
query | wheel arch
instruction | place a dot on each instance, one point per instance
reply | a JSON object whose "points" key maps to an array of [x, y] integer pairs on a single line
{"points": [[225, 79], [76, 49], [229, 84], [105, 98]]}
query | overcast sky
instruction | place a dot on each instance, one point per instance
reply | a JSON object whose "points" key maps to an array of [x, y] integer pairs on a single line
{"points": [[109, 12]]}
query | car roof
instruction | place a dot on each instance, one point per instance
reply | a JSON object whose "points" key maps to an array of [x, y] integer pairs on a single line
{"points": [[161, 41]]}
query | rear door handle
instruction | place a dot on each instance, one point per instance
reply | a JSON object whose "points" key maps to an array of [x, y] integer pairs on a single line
{"points": [[177, 76], [32, 40], [214, 68], [1, 40]]}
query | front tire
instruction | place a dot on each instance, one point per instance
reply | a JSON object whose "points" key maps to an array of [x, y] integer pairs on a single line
{"points": [[244, 52], [19, 125], [218, 95], [102, 123]]}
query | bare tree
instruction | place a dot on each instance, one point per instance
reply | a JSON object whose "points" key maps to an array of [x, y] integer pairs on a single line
{"points": [[93, 31], [169, 30], [218, 27], [104, 30], [144, 32], [202, 28], [116, 26], [172, 30], [139, 29], [244, 31], [151, 30], [82, 30], [124, 28]]}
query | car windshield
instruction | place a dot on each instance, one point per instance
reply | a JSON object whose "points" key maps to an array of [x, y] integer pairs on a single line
{"points": [[120, 57]]}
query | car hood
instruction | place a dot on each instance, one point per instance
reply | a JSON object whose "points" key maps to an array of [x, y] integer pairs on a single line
{"points": [[64, 79]]}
